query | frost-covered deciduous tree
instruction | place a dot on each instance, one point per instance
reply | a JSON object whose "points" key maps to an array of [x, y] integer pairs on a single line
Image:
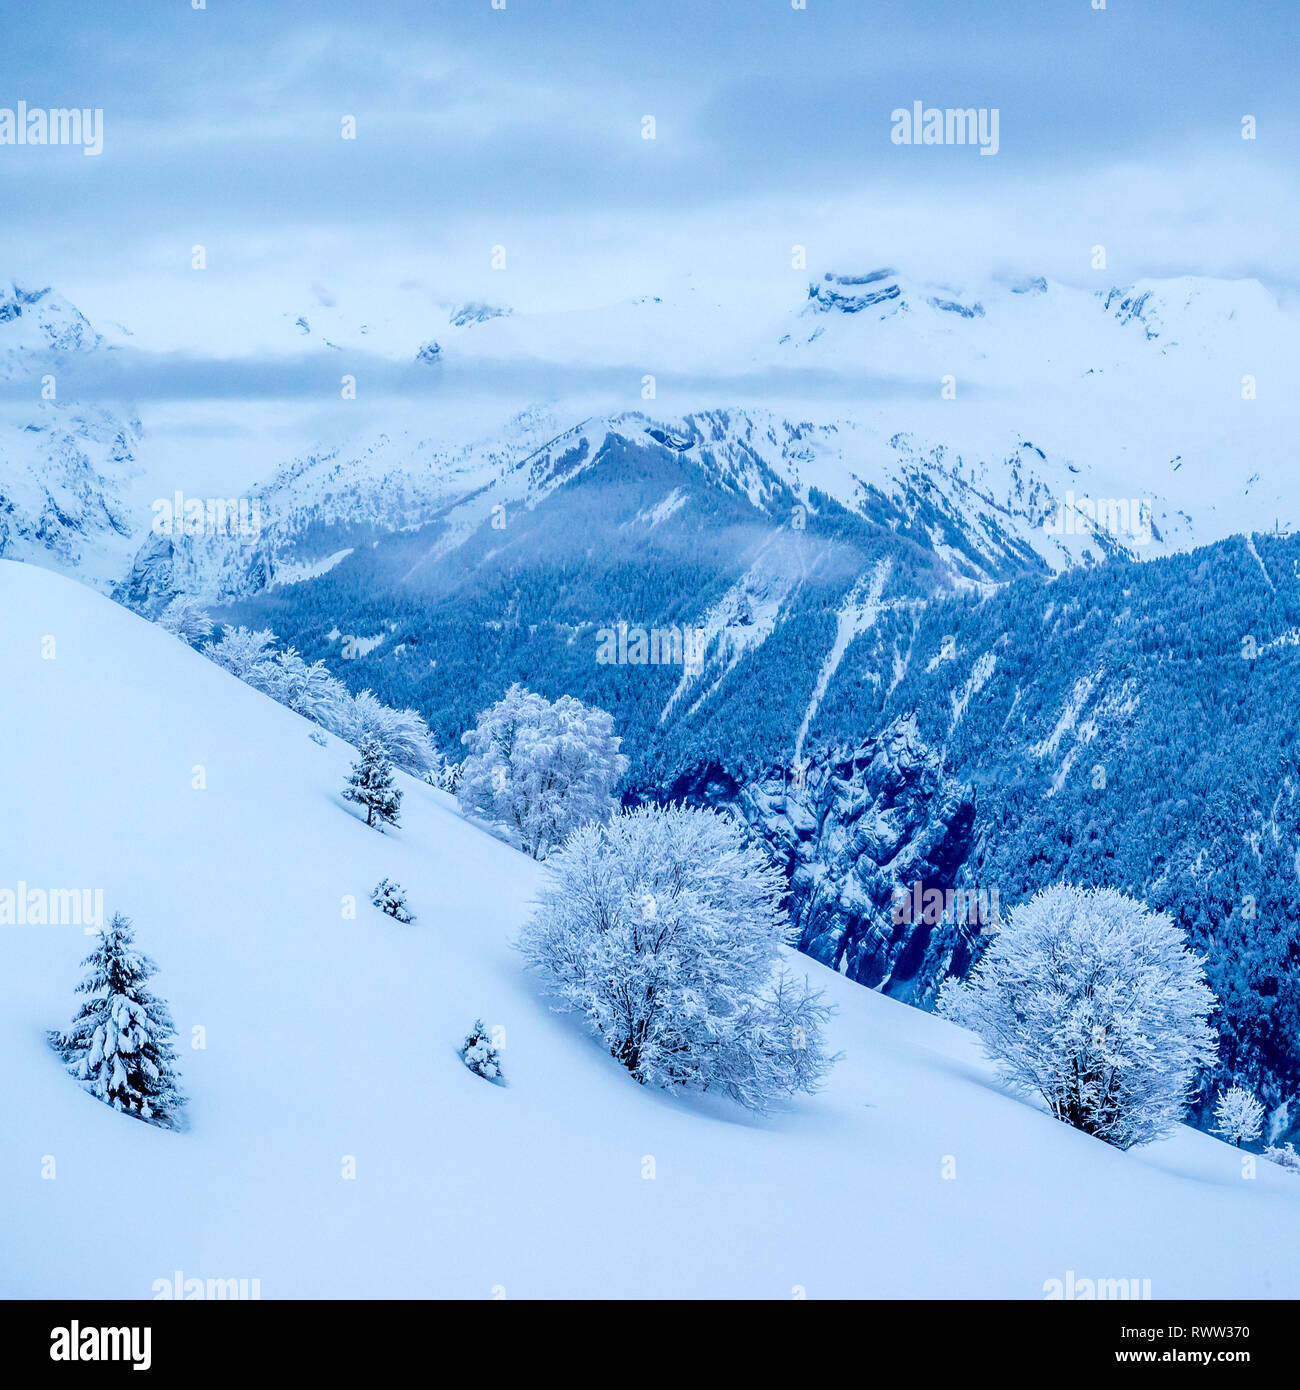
{"points": [[540, 767], [403, 733], [371, 784], [663, 930], [1284, 1155], [479, 1055], [121, 1044], [310, 690], [1238, 1116], [184, 618], [245, 654], [1094, 1001], [390, 899], [307, 689]]}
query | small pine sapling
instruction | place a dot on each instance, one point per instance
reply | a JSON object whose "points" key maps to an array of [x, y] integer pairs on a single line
{"points": [[371, 784], [390, 899], [479, 1055]]}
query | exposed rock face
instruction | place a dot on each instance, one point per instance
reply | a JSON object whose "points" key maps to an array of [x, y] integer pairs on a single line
{"points": [[215, 568], [65, 467], [848, 294], [63, 479], [477, 313], [42, 321], [868, 824]]}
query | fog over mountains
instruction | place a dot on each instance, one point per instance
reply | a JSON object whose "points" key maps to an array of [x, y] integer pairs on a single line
{"points": [[988, 421]]}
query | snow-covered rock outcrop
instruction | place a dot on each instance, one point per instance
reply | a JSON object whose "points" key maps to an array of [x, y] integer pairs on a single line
{"points": [[65, 466], [866, 825]]}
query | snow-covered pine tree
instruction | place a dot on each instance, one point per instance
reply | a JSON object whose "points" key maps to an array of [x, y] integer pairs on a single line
{"points": [[1238, 1116], [121, 1044], [479, 1055], [663, 931], [1094, 1001], [390, 899], [371, 784]]}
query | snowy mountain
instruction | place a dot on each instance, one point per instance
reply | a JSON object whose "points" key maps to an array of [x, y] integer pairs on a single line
{"points": [[1004, 413], [41, 322], [64, 466], [329, 1048]]}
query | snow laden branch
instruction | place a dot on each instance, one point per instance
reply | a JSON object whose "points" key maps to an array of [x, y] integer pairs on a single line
{"points": [[1093, 1001], [402, 733], [663, 931]]}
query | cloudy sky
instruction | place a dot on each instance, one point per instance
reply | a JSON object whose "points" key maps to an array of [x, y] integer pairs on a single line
{"points": [[522, 127]]}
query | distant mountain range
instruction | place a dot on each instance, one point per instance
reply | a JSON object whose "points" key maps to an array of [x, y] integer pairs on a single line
{"points": [[972, 417]]}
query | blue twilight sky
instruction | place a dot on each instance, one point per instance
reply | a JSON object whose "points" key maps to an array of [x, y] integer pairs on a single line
{"points": [[523, 127]]}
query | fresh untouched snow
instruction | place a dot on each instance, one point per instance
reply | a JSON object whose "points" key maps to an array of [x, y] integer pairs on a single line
{"points": [[332, 1040]]}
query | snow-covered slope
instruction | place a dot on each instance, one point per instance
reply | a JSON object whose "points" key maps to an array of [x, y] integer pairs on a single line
{"points": [[328, 1037]]}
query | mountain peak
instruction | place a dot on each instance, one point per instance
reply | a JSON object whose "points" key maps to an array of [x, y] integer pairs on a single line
{"points": [[477, 313], [850, 294], [42, 321]]}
